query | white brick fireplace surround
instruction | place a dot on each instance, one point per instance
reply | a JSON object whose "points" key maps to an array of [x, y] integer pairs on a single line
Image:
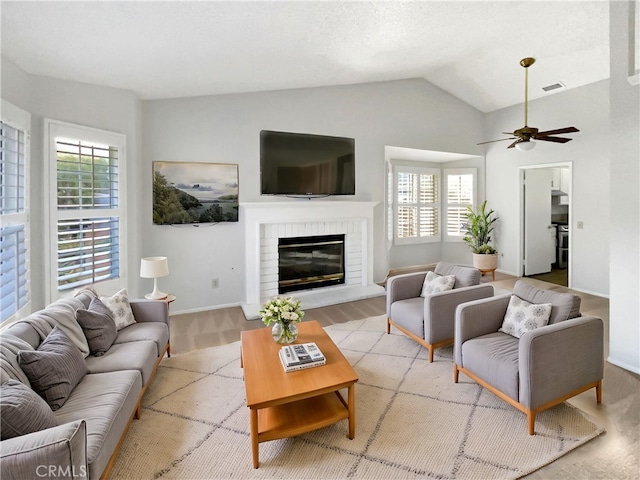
{"points": [[266, 222]]}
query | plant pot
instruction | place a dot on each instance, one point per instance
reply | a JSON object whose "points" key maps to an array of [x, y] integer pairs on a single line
{"points": [[485, 261]]}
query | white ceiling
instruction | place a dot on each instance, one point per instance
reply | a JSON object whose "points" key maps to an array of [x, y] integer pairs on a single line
{"points": [[470, 49]]}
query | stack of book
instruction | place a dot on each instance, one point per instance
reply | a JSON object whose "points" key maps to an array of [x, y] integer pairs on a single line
{"points": [[304, 355]]}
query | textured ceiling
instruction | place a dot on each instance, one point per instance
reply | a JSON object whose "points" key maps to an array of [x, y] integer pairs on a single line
{"points": [[158, 50]]}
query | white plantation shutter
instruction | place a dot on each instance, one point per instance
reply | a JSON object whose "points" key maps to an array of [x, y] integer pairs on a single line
{"points": [[461, 186], [417, 208], [87, 219], [14, 219]]}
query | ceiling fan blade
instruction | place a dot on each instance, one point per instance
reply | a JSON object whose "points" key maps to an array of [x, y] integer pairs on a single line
{"points": [[515, 143], [493, 141], [554, 139], [556, 132]]}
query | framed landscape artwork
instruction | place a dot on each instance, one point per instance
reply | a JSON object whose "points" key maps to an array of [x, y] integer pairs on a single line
{"points": [[193, 193]]}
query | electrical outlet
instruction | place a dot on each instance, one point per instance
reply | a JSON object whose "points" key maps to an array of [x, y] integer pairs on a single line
{"points": [[214, 283], [580, 225]]}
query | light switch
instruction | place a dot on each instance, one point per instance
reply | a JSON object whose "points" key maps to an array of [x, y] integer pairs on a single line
{"points": [[580, 225]]}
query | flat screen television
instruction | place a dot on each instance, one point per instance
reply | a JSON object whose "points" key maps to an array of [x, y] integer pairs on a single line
{"points": [[300, 164]]}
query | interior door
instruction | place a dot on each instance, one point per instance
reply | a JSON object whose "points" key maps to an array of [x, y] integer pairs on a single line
{"points": [[539, 234]]}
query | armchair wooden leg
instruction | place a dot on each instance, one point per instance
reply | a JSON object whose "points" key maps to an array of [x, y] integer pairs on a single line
{"points": [[388, 326], [456, 372], [599, 391], [431, 354], [531, 420]]}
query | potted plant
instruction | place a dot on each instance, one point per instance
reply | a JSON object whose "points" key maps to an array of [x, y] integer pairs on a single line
{"points": [[478, 228]]}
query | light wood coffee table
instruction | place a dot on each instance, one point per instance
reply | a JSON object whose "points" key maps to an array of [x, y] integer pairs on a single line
{"points": [[286, 404]]}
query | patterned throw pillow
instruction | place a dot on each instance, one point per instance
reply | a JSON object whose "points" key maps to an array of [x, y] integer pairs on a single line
{"points": [[23, 410], [120, 308], [434, 283], [522, 316], [55, 368], [98, 326]]}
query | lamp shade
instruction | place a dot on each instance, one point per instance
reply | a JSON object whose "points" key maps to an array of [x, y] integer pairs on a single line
{"points": [[526, 145], [154, 267]]}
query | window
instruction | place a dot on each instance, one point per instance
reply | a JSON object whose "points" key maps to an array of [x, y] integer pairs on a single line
{"points": [[86, 216], [14, 219], [461, 187], [417, 216]]}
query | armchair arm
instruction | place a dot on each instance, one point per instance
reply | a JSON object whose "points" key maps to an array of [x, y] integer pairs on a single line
{"points": [[58, 452], [560, 358], [401, 287], [477, 318], [150, 310], [440, 309]]}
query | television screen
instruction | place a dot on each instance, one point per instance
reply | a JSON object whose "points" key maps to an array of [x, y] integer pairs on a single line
{"points": [[305, 164]]}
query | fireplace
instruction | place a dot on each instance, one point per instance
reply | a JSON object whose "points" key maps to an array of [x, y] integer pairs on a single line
{"points": [[310, 262], [267, 222]]}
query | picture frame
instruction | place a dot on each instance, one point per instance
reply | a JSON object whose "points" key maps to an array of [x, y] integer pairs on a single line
{"points": [[194, 193]]}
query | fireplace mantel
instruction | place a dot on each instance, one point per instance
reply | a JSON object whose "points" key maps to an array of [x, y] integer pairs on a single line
{"points": [[265, 222]]}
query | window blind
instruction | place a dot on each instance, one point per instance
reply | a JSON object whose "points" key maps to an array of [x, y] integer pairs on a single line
{"points": [[417, 211], [88, 237], [460, 194], [14, 258]]}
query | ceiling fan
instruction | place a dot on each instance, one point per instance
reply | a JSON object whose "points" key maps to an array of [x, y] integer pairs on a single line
{"points": [[523, 136]]}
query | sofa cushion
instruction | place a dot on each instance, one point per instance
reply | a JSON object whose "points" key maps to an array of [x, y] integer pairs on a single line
{"points": [[465, 276], [55, 368], [494, 358], [157, 332], [409, 314], [523, 316], [139, 356], [563, 305], [105, 401], [434, 283], [120, 307], [98, 326], [22, 410]]}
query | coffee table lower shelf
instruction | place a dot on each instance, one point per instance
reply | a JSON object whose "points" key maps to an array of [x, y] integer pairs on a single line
{"points": [[301, 416]]}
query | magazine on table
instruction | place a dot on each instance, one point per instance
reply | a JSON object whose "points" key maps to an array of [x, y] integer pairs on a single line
{"points": [[304, 355]]}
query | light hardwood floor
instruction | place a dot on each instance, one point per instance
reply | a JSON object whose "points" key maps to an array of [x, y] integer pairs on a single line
{"points": [[612, 455]]}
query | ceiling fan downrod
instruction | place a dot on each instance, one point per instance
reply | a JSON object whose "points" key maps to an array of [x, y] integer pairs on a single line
{"points": [[526, 63]]}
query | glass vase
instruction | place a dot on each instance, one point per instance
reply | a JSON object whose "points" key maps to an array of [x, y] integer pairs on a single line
{"points": [[284, 333]]}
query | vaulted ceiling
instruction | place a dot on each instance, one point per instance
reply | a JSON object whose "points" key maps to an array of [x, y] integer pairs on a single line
{"points": [[470, 49]]}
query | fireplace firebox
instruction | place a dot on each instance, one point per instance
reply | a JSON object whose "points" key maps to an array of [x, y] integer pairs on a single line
{"points": [[310, 262]]}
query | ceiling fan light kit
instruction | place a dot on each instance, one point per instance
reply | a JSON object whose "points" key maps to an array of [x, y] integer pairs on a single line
{"points": [[526, 146], [523, 136]]}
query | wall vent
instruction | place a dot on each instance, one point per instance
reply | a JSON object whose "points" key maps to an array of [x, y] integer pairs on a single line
{"points": [[553, 86]]}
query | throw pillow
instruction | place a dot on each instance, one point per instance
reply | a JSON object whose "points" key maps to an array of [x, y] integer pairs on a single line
{"points": [[98, 326], [55, 368], [120, 308], [22, 410], [434, 283], [522, 316]]}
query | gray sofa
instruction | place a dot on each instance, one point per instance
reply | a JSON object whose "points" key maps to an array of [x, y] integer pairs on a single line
{"points": [[91, 423], [429, 320], [545, 366]]}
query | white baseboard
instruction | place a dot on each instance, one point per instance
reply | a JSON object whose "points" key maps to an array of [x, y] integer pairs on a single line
{"points": [[203, 309], [632, 368]]}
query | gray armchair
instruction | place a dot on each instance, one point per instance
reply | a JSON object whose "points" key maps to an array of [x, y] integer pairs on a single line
{"points": [[429, 320], [542, 368]]}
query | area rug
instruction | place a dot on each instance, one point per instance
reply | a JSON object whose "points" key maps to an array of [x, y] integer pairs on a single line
{"points": [[412, 421]]}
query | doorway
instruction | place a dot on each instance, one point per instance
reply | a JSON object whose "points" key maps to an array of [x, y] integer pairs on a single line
{"points": [[545, 233]]}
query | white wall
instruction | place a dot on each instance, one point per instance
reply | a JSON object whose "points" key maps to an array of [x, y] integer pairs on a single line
{"points": [[624, 235], [586, 108], [408, 113], [98, 107]]}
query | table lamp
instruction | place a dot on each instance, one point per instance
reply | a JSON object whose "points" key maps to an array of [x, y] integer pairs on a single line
{"points": [[154, 267]]}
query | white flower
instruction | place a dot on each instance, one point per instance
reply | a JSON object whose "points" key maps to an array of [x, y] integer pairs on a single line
{"points": [[283, 310]]}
